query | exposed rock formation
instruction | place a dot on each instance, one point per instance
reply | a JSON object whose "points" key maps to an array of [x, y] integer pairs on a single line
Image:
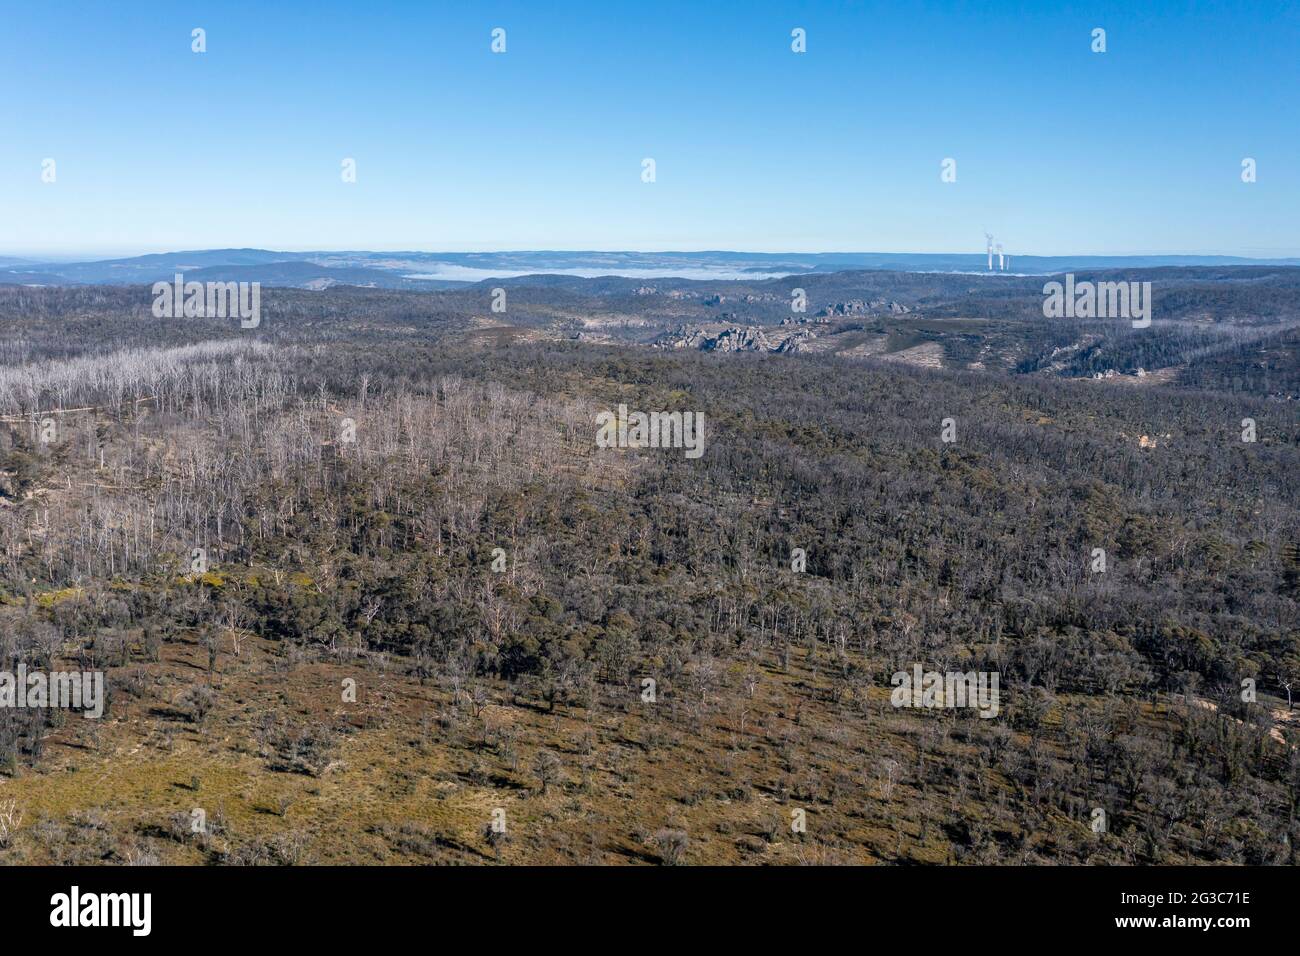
{"points": [[734, 339], [860, 307]]}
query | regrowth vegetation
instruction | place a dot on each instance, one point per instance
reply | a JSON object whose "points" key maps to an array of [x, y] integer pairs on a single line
{"points": [[375, 595]]}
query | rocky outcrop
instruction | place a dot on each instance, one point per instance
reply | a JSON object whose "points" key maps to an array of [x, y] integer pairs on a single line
{"points": [[862, 307], [734, 339], [682, 338], [737, 339], [794, 342]]}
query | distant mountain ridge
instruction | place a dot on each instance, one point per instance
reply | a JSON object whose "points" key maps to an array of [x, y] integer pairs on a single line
{"points": [[429, 271]]}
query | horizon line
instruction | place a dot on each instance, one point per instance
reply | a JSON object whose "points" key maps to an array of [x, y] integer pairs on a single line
{"points": [[101, 256]]}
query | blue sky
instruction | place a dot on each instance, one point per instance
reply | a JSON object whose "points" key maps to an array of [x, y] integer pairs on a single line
{"points": [[1059, 150]]}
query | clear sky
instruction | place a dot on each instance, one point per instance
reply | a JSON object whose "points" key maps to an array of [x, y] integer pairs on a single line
{"points": [[1059, 150]]}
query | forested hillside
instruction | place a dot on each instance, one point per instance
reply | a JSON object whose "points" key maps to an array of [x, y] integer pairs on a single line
{"points": [[399, 495]]}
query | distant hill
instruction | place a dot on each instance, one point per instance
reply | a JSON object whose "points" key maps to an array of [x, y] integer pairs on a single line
{"points": [[443, 270], [310, 275]]}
